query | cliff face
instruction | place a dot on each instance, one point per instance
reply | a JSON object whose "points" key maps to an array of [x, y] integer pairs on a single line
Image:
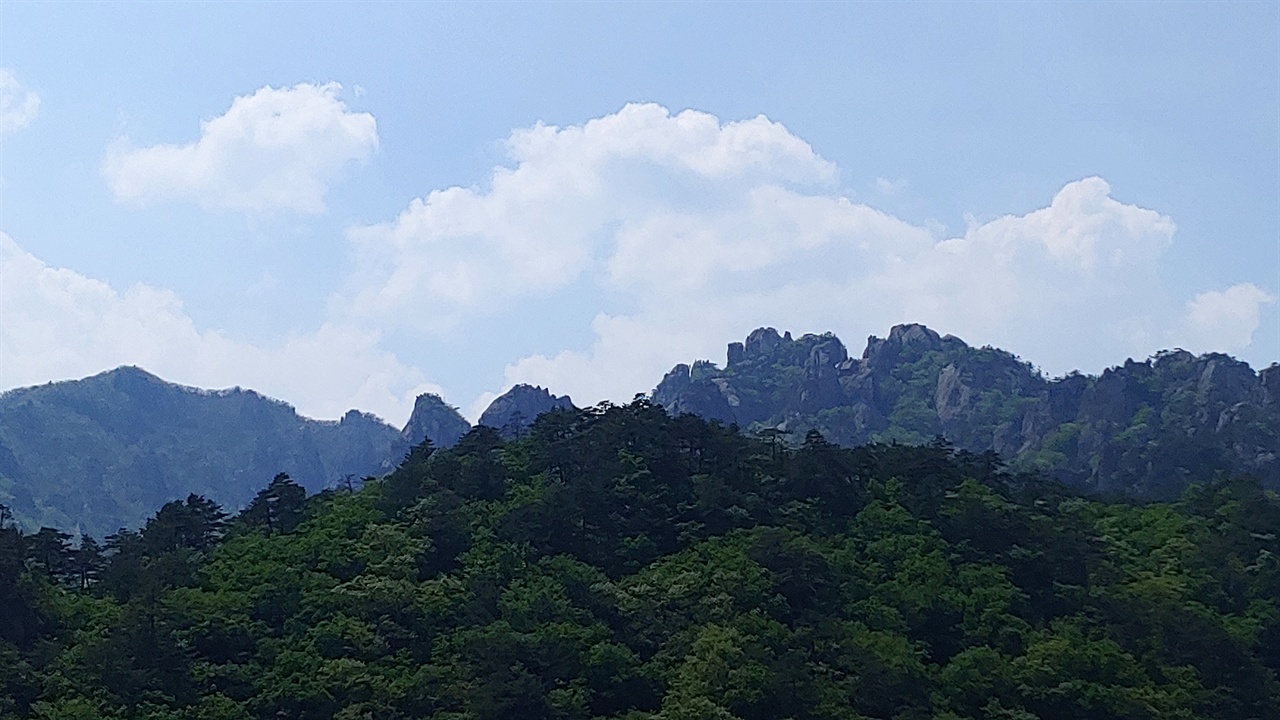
{"points": [[515, 410], [1146, 428]]}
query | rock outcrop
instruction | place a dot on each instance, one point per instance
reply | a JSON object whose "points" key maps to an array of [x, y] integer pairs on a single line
{"points": [[515, 410], [435, 420], [679, 393], [1145, 428]]}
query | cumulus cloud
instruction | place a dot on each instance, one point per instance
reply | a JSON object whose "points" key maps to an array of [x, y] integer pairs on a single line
{"points": [[540, 222], [1224, 320], [690, 232], [674, 233], [18, 105], [891, 187], [279, 148], [59, 324]]}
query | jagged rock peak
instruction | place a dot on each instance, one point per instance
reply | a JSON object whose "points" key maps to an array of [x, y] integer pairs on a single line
{"points": [[828, 351], [132, 377], [681, 392], [517, 408], [359, 416], [762, 341], [432, 418], [126, 371], [901, 336]]}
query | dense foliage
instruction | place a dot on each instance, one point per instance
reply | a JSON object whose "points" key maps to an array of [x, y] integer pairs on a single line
{"points": [[621, 563]]}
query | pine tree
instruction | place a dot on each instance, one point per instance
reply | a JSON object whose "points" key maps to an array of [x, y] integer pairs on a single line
{"points": [[278, 507]]}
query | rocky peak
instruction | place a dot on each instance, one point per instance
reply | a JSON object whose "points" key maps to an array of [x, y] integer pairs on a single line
{"points": [[914, 336], [762, 341], [516, 409], [436, 420], [914, 333], [822, 372], [1226, 381], [133, 380], [1169, 359], [736, 354], [356, 418], [688, 390], [129, 372], [677, 379], [827, 353]]}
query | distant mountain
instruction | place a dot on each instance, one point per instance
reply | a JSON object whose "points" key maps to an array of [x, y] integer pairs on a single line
{"points": [[517, 408], [1143, 428], [107, 451]]}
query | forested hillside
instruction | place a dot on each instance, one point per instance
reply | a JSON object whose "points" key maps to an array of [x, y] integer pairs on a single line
{"points": [[1146, 429], [619, 562], [104, 452]]}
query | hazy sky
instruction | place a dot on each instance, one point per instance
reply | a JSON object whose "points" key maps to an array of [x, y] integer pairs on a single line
{"points": [[342, 205]]}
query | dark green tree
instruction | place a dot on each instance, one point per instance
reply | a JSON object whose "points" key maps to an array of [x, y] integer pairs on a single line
{"points": [[277, 508], [51, 551], [87, 561]]}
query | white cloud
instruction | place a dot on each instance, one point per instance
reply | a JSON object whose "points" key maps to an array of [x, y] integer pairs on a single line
{"points": [[891, 187], [695, 231], [540, 224], [18, 105], [845, 267], [59, 324], [279, 148], [1224, 320], [676, 234]]}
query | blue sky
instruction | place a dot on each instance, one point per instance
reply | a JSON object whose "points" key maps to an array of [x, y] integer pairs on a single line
{"points": [[342, 205]]}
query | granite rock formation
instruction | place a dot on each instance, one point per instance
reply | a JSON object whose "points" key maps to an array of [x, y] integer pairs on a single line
{"points": [[1144, 428]]}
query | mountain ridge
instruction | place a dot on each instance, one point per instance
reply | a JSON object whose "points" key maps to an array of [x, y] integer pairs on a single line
{"points": [[915, 385], [141, 441], [1140, 428]]}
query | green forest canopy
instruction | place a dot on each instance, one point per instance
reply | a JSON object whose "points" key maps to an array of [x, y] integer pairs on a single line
{"points": [[616, 562]]}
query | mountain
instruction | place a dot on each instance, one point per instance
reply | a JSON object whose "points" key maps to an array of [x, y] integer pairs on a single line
{"points": [[516, 409], [102, 453], [1142, 428]]}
